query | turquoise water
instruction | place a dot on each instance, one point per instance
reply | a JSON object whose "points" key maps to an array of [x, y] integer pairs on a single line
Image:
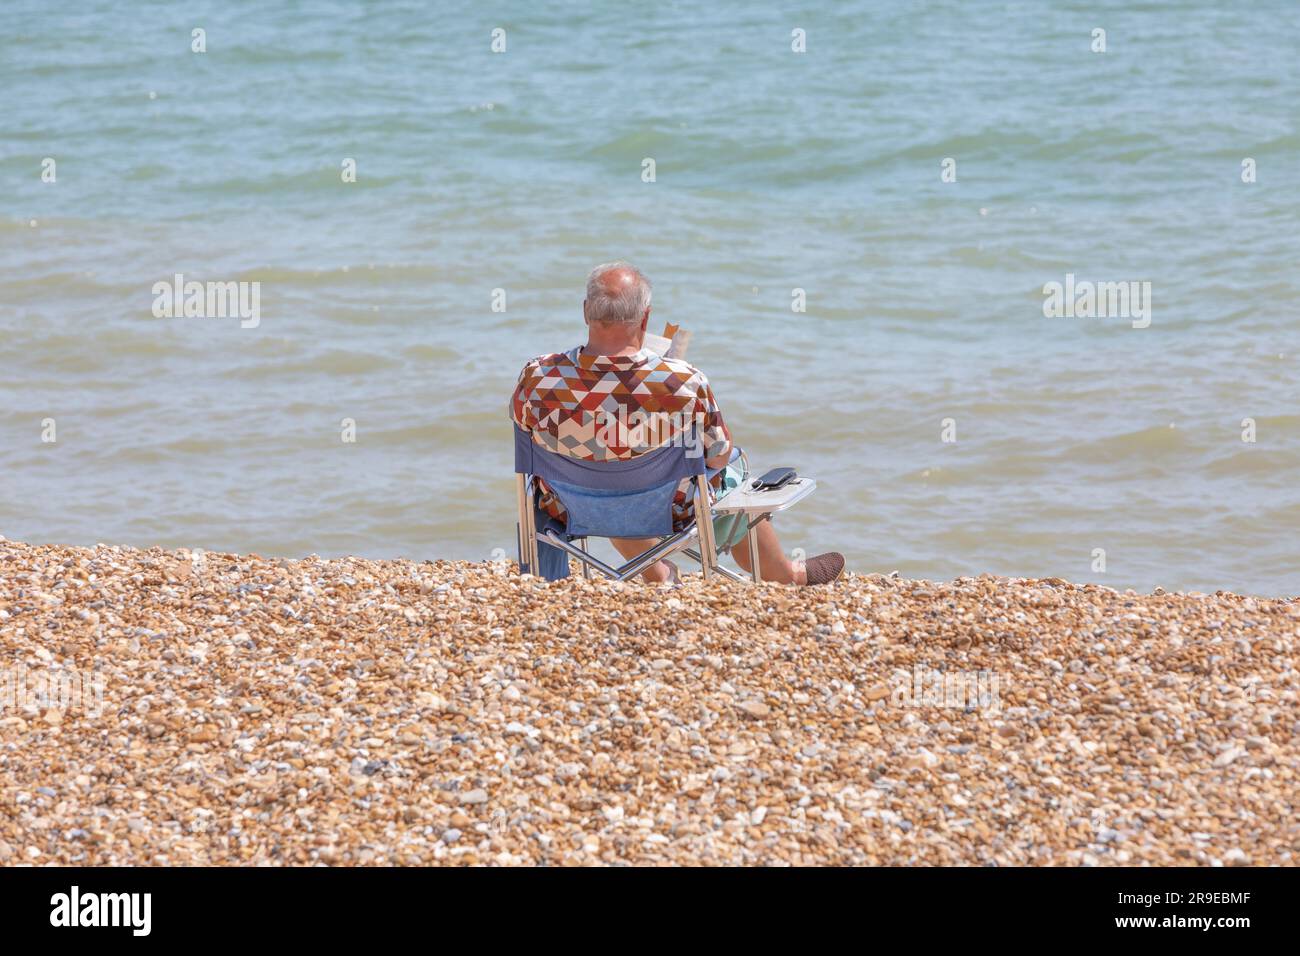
{"points": [[774, 171]]}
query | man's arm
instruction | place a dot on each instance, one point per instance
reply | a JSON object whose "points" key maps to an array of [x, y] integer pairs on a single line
{"points": [[720, 459], [716, 435], [520, 407]]}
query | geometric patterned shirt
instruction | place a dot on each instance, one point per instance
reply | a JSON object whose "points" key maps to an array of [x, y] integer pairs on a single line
{"points": [[615, 407]]}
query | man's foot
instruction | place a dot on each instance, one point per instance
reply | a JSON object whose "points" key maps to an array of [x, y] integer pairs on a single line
{"points": [[662, 571], [823, 569]]}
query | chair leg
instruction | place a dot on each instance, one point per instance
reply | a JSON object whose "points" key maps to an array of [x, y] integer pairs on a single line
{"points": [[534, 555], [704, 522], [527, 526], [583, 557], [752, 537], [724, 571], [586, 568], [521, 503]]}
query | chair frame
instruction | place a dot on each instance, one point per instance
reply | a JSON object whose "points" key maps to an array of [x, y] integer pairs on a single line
{"points": [[701, 529], [696, 541]]}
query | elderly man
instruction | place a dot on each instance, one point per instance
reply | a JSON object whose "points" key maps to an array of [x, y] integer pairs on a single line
{"points": [[674, 396]]}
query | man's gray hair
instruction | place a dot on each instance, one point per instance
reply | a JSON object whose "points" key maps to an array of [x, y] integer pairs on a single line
{"points": [[625, 307]]}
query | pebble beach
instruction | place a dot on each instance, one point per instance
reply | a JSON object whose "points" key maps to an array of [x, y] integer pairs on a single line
{"points": [[186, 707]]}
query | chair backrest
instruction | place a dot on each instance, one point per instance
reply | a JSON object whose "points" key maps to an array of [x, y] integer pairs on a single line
{"points": [[614, 499]]}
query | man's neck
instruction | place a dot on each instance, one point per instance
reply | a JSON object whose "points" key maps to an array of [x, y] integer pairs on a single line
{"points": [[610, 349]]}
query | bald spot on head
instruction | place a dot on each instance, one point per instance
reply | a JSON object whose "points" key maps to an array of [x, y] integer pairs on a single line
{"points": [[614, 282], [618, 293]]}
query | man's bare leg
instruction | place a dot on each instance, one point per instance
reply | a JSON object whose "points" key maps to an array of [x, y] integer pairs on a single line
{"points": [[771, 559], [776, 566], [658, 573]]}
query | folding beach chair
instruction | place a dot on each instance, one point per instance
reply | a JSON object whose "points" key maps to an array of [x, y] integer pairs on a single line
{"points": [[609, 499], [630, 499]]}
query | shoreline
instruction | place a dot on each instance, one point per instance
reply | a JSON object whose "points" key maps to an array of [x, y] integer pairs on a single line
{"points": [[356, 711]]}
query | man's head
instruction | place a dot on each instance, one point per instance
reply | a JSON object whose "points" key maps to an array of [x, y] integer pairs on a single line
{"points": [[617, 306]]}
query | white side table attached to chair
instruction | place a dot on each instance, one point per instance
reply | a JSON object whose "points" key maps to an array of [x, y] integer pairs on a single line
{"points": [[759, 506]]}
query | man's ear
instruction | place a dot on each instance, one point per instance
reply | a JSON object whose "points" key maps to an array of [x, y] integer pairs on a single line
{"points": [[645, 320]]}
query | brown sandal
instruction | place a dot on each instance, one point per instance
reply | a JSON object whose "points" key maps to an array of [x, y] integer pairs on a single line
{"points": [[824, 568]]}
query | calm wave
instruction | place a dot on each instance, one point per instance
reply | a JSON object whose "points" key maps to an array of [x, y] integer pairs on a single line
{"points": [[774, 171]]}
